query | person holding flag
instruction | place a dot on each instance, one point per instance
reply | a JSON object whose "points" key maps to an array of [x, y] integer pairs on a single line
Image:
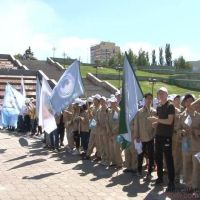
{"points": [[144, 132], [112, 125]]}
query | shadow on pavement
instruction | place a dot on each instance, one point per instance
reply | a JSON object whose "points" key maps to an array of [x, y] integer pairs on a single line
{"points": [[28, 163]]}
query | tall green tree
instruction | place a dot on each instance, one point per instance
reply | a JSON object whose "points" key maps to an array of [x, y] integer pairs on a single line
{"points": [[181, 63], [142, 60], [147, 57], [168, 55], [132, 57], [18, 56], [161, 60], [154, 58]]}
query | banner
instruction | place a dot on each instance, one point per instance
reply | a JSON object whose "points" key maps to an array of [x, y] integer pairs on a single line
{"points": [[131, 94], [69, 87], [46, 117], [12, 104], [38, 92]]}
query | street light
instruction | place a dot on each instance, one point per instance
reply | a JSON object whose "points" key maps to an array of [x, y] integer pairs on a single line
{"points": [[64, 55], [152, 81], [119, 69], [54, 49], [97, 64]]}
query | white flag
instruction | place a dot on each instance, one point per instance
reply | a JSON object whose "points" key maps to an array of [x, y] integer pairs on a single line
{"points": [[38, 92], [46, 118], [188, 121], [23, 91]]}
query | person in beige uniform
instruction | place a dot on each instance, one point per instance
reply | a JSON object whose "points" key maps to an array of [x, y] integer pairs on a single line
{"points": [[189, 128], [112, 125], [94, 137], [102, 131], [67, 116], [84, 126], [76, 126], [131, 156], [144, 132], [177, 141]]}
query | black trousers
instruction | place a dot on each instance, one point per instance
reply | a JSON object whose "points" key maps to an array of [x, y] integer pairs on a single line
{"points": [[61, 131], [150, 147], [27, 122], [77, 139], [164, 145]]}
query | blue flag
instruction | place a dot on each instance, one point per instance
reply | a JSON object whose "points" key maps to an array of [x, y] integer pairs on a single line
{"points": [[69, 87], [12, 104]]}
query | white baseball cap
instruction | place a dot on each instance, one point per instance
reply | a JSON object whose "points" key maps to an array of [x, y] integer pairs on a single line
{"points": [[170, 97], [117, 93], [81, 103], [97, 96], [76, 101], [113, 99], [90, 99], [104, 98], [162, 89], [112, 95]]}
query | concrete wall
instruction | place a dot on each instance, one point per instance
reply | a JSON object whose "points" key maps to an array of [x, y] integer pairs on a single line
{"points": [[98, 82], [189, 84], [56, 64]]}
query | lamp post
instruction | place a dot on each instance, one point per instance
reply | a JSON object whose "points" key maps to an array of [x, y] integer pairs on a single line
{"points": [[97, 64], [152, 81], [64, 55], [119, 69], [54, 49]]}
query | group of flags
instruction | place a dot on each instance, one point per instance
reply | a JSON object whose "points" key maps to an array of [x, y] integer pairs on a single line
{"points": [[70, 86]]}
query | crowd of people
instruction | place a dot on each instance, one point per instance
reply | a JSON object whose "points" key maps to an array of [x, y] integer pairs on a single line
{"points": [[169, 134]]}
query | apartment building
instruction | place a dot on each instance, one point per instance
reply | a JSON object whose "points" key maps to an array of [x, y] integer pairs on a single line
{"points": [[103, 51]]}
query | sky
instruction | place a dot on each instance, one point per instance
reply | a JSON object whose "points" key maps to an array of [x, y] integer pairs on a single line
{"points": [[73, 26]]}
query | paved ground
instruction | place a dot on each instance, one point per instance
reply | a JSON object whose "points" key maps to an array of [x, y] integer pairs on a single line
{"points": [[27, 171]]}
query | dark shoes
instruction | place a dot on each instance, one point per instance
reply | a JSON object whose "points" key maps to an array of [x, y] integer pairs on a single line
{"points": [[113, 165], [97, 159], [170, 187], [148, 177], [137, 173], [157, 182], [127, 170], [85, 158]]}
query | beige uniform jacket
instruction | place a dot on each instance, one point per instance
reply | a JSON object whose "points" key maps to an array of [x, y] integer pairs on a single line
{"points": [[142, 126], [101, 120], [194, 139], [176, 137], [112, 125], [84, 120], [94, 116], [67, 116], [75, 122]]}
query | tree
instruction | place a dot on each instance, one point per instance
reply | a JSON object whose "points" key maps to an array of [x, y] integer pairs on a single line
{"points": [[132, 57], [180, 63], [120, 58], [18, 56], [142, 60], [147, 57], [161, 61], [168, 55], [112, 61], [154, 58]]}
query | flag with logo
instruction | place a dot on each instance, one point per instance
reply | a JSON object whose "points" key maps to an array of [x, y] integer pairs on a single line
{"points": [[38, 92], [12, 104], [46, 116], [69, 87], [131, 94], [23, 91]]}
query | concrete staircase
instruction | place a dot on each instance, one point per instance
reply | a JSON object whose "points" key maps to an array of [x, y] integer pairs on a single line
{"points": [[55, 73], [15, 81], [6, 64]]}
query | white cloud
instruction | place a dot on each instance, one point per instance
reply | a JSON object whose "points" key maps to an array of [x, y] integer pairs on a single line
{"points": [[35, 23]]}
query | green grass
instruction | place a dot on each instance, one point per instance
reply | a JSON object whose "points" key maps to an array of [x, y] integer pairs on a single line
{"points": [[146, 87], [90, 69]]}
